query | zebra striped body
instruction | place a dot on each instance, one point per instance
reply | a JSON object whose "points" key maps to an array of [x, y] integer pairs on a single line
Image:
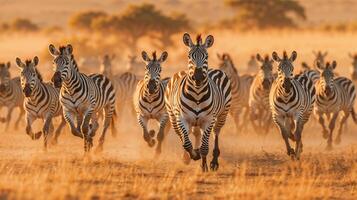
{"points": [[199, 98], [240, 86], [41, 101], [82, 97], [354, 67], [259, 96], [149, 100], [312, 74], [10, 94], [333, 95], [291, 101]]}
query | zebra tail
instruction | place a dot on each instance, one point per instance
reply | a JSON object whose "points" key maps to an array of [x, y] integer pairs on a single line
{"points": [[354, 117]]}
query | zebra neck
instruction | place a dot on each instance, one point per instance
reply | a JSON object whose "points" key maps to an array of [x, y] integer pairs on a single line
{"points": [[38, 89], [73, 81], [8, 91], [281, 90], [150, 97]]}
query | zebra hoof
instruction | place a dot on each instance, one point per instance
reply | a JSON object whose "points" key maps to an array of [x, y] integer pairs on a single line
{"points": [[204, 167], [214, 165], [151, 143], [195, 154], [152, 133], [338, 140], [36, 136]]}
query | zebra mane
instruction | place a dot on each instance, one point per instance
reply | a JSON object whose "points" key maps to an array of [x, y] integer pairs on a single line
{"points": [[228, 57], [199, 39], [154, 56], [61, 49], [266, 59], [38, 74], [285, 55]]}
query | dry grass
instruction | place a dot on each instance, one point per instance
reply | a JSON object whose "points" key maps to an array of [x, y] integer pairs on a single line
{"points": [[251, 167]]}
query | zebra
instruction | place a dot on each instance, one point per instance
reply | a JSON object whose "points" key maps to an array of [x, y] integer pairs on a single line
{"points": [[240, 86], [10, 95], [252, 65], [41, 101], [82, 97], [259, 95], [311, 73], [199, 98], [291, 100], [333, 95], [149, 100], [124, 84]]}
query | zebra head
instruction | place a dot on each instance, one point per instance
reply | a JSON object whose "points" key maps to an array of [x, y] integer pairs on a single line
{"points": [[266, 71], [305, 66], [327, 76], [226, 64], [106, 66], [354, 66], [4, 76], [29, 75], [285, 68], [153, 70], [64, 63], [198, 58], [319, 57]]}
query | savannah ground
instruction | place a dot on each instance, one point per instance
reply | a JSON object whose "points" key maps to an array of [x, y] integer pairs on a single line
{"points": [[251, 167]]}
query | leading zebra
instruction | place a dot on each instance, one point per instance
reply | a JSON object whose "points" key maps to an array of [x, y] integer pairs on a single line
{"points": [[199, 97], [10, 94], [41, 101], [82, 97], [149, 100], [333, 95], [291, 101]]}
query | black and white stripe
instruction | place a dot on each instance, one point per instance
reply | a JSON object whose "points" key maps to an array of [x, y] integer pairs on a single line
{"points": [[240, 86], [10, 94], [82, 97], [333, 96], [41, 101], [291, 100], [261, 117], [199, 98], [149, 100]]}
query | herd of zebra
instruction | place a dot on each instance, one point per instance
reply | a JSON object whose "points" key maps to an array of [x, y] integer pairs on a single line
{"points": [[197, 100]]}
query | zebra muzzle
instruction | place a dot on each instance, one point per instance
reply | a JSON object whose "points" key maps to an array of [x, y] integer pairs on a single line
{"points": [[266, 84], [152, 86], [57, 80], [198, 76], [287, 85], [27, 90]]}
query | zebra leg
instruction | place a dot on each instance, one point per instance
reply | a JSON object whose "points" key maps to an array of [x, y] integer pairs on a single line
{"points": [[205, 145], [143, 121], [58, 131], [21, 114], [182, 129], [331, 127], [285, 134], [161, 134], [216, 152], [254, 119], [343, 121], [8, 117], [88, 140], [69, 117], [235, 116], [29, 120], [197, 133], [46, 131], [298, 143], [108, 117], [322, 123]]}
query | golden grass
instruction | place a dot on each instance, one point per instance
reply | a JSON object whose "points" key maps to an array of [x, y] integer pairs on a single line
{"points": [[251, 167]]}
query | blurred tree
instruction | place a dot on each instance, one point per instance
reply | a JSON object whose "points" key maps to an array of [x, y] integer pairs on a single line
{"points": [[84, 20], [264, 14], [24, 25]]}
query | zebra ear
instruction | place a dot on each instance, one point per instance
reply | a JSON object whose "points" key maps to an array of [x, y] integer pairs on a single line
{"points": [[334, 64], [35, 61], [69, 49], [325, 54], [145, 56], [53, 50], [275, 57], [19, 63], [293, 56], [187, 40], [209, 41], [163, 56], [8, 65], [259, 58]]}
